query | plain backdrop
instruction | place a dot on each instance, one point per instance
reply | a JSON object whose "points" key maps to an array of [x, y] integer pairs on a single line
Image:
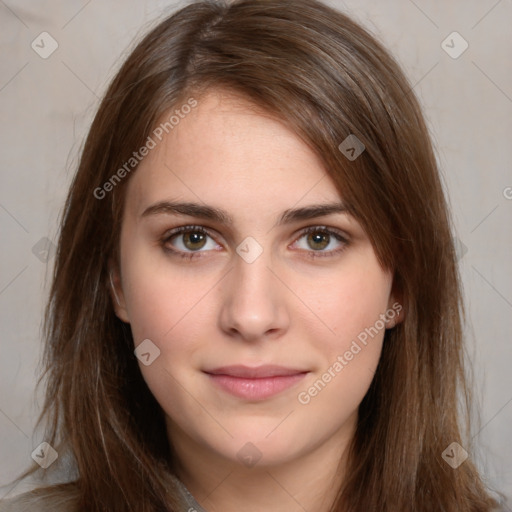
{"points": [[47, 104]]}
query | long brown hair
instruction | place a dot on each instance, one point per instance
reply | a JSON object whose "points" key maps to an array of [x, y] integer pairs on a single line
{"points": [[327, 78]]}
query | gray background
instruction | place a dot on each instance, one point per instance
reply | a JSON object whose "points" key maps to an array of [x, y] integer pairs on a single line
{"points": [[47, 104]]}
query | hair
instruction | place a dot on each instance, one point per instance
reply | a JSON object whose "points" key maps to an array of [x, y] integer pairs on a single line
{"points": [[326, 78]]}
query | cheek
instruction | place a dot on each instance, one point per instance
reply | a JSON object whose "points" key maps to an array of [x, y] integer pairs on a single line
{"points": [[165, 308], [160, 297], [348, 304], [173, 309], [350, 336], [350, 352]]}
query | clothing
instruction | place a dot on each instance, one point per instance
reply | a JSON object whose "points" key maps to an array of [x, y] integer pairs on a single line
{"points": [[29, 502], [188, 499], [33, 501]]}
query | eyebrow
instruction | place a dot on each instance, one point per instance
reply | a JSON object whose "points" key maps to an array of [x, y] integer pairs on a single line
{"points": [[211, 213]]}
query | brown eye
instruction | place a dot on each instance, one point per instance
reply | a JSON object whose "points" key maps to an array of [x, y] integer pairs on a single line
{"points": [[318, 240], [321, 241], [189, 240], [194, 240]]}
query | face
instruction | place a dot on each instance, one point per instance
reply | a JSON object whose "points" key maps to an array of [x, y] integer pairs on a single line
{"points": [[261, 297]]}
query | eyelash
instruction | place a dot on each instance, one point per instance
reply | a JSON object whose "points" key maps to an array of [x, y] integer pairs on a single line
{"points": [[306, 231]]}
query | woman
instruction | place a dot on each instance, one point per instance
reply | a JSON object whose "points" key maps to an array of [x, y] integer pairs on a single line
{"points": [[255, 302]]}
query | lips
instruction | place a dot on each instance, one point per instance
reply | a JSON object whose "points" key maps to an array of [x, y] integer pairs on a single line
{"points": [[256, 372], [255, 383]]}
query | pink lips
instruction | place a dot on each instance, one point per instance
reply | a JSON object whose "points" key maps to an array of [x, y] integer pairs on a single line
{"points": [[255, 383]]}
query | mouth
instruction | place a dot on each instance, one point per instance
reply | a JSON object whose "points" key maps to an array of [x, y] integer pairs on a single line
{"points": [[255, 383]]}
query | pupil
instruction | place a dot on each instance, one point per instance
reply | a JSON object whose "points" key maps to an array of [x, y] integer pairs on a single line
{"points": [[319, 240], [194, 238]]}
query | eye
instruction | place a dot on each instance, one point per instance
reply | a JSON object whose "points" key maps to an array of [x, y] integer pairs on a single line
{"points": [[321, 241], [191, 241], [187, 240]]}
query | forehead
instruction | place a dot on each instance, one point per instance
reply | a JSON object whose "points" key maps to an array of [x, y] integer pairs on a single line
{"points": [[229, 153]]}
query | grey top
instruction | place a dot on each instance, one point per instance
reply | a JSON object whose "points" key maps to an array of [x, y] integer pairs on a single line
{"points": [[29, 501], [188, 500]]}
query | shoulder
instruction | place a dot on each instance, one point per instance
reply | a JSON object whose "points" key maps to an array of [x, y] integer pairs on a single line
{"points": [[49, 499]]}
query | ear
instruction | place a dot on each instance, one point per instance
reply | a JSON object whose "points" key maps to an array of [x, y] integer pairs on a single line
{"points": [[395, 312], [117, 294]]}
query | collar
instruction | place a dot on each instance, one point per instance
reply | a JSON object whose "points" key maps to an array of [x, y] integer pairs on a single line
{"points": [[187, 499]]}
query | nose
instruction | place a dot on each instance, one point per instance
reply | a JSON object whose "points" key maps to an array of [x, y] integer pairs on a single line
{"points": [[253, 305]]}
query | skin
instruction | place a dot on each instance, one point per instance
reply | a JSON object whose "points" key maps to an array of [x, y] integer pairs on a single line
{"points": [[216, 309]]}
